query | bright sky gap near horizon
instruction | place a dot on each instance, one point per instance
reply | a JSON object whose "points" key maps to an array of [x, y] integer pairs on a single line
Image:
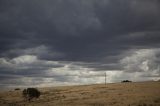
{"points": [[64, 42]]}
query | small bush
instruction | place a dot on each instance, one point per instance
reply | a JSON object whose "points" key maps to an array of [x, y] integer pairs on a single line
{"points": [[17, 89], [30, 93], [126, 81]]}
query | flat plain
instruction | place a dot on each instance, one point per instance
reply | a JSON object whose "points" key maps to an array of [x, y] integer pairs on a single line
{"points": [[113, 94]]}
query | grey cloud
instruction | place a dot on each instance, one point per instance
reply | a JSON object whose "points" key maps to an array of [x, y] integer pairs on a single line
{"points": [[51, 23], [87, 34], [142, 61], [27, 65]]}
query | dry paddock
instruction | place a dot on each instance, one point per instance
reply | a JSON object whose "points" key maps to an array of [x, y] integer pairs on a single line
{"points": [[116, 94]]}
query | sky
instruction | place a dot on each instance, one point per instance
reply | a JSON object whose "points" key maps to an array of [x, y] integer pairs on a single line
{"points": [[68, 42]]}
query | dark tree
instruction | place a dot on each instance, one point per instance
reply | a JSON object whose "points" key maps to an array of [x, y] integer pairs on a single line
{"points": [[126, 81], [30, 93]]}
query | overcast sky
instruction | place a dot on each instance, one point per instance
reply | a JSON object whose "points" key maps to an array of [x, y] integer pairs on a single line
{"points": [[65, 42]]}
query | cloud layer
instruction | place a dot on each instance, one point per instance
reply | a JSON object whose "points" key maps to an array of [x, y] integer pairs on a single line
{"points": [[66, 41]]}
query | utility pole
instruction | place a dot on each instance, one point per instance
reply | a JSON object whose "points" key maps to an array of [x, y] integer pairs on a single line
{"points": [[105, 78]]}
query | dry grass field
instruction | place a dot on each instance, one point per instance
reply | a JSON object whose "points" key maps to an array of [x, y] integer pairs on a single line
{"points": [[116, 94]]}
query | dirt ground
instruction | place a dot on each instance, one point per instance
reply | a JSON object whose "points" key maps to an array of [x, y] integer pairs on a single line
{"points": [[115, 94]]}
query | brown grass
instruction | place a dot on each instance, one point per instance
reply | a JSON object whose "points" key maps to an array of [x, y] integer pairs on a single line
{"points": [[117, 94]]}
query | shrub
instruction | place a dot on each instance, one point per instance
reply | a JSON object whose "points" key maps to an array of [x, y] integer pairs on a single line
{"points": [[17, 89], [126, 81], [30, 93]]}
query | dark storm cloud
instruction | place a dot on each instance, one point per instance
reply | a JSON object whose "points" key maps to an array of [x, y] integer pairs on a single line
{"points": [[92, 34], [82, 30]]}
